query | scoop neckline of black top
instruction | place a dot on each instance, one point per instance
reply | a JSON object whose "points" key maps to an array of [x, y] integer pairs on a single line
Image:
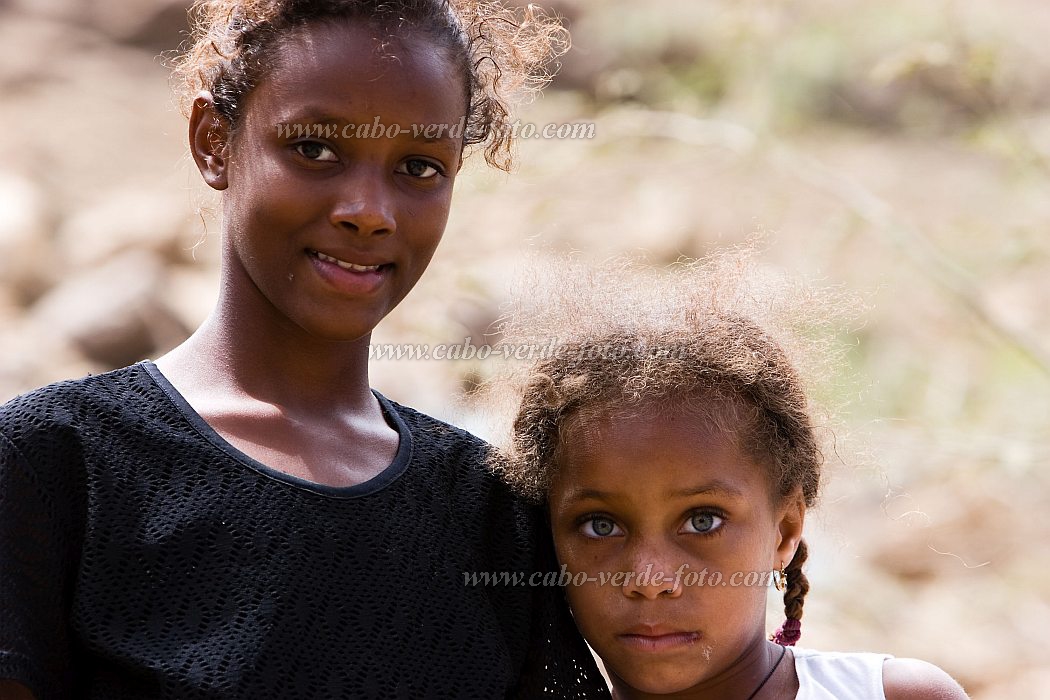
{"points": [[377, 483]]}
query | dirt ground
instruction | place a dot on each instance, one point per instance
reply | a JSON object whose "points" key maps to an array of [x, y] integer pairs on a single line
{"points": [[900, 150]]}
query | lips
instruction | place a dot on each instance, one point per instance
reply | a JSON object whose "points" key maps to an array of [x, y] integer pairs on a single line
{"points": [[356, 277], [656, 638], [355, 266]]}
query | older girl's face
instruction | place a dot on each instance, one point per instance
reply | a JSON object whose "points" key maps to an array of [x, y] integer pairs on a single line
{"points": [[326, 228], [676, 531]]}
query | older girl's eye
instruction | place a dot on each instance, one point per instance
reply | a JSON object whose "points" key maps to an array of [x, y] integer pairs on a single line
{"points": [[313, 150], [703, 522], [416, 167], [601, 526]]}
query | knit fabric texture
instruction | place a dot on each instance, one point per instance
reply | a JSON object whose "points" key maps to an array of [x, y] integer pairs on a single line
{"points": [[143, 556]]}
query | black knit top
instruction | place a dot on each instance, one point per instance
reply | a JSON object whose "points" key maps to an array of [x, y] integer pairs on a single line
{"points": [[143, 556]]}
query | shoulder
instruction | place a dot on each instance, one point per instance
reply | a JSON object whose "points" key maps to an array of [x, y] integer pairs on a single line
{"points": [[437, 441], [54, 399], [65, 412], [420, 422], [460, 460], [908, 679], [461, 466]]}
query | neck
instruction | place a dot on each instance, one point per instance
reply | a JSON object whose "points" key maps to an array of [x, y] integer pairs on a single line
{"points": [[736, 681], [243, 349]]}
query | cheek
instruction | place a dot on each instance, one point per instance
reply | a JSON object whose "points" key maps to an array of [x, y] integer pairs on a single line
{"points": [[563, 548], [588, 601], [423, 249], [591, 606], [429, 218], [256, 206], [584, 557]]}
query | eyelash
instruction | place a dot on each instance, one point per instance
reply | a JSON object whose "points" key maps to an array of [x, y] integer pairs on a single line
{"points": [[589, 518], [584, 520], [401, 168], [299, 149], [716, 530], [438, 170]]}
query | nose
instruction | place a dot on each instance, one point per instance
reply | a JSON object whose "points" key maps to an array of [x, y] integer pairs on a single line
{"points": [[364, 203], [652, 573]]}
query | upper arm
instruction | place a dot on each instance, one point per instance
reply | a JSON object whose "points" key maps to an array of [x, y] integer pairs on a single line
{"points": [[911, 679], [36, 538]]}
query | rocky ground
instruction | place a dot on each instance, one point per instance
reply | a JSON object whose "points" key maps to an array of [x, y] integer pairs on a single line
{"points": [[899, 149]]}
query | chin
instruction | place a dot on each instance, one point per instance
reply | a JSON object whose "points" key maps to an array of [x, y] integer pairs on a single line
{"points": [[651, 679], [330, 331], [337, 325]]}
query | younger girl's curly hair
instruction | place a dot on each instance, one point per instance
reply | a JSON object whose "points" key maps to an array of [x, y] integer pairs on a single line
{"points": [[502, 54], [694, 338]]}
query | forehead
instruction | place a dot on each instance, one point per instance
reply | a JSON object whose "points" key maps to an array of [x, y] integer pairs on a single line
{"points": [[650, 454], [352, 69]]}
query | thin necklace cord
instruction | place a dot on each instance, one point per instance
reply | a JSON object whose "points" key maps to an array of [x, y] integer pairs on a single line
{"points": [[783, 650]]}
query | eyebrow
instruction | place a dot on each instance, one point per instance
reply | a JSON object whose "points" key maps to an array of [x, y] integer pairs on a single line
{"points": [[313, 115], [711, 488], [714, 487], [435, 139]]}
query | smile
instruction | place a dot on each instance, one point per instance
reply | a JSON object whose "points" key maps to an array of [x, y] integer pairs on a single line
{"points": [[350, 278], [344, 264]]}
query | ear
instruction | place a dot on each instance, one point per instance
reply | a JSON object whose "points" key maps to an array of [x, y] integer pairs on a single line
{"points": [[791, 517], [209, 140]]}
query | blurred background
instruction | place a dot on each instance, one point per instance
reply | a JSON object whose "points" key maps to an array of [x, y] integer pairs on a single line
{"points": [[899, 149]]}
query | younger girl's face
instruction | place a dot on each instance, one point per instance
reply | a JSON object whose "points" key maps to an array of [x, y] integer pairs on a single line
{"points": [[326, 225], [675, 531]]}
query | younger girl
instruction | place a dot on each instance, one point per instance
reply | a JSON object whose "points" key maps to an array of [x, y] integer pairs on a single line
{"points": [[245, 518], [670, 437]]}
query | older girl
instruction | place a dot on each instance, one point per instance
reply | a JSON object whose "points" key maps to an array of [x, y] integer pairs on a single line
{"points": [[246, 518]]}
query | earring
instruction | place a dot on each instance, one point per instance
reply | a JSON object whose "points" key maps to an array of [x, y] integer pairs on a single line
{"points": [[780, 578]]}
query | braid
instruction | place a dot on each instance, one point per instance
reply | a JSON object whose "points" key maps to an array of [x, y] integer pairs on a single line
{"points": [[797, 583], [794, 598]]}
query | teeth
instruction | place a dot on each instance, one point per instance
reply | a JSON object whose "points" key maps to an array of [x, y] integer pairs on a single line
{"points": [[345, 265]]}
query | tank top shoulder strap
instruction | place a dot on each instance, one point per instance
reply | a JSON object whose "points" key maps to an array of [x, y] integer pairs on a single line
{"points": [[831, 675]]}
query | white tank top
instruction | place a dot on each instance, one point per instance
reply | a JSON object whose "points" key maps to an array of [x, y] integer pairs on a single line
{"points": [[832, 675]]}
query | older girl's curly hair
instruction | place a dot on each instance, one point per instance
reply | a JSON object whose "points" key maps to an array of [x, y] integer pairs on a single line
{"points": [[693, 338], [503, 54]]}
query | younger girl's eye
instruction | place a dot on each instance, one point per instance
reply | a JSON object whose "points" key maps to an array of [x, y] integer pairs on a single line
{"points": [[313, 150], [600, 526], [417, 167], [703, 522]]}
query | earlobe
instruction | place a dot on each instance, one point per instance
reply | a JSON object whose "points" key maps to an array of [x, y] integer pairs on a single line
{"points": [[209, 141]]}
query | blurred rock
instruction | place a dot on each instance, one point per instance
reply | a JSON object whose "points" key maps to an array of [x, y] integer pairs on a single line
{"points": [[113, 314], [1025, 684], [27, 260], [126, 219], [156, 25], [66, 10], [9, 307], [33, 357], [937, 533]]}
